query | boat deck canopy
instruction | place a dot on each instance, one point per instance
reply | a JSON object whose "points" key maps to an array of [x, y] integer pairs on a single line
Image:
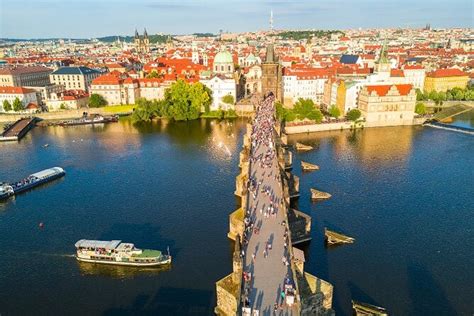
{"points": [[47, 172], [85, 243]]}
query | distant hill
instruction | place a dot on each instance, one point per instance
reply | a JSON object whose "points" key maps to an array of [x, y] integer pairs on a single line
{"points": [[299, 35], [40, 39], [203, 34], [153, 38]]}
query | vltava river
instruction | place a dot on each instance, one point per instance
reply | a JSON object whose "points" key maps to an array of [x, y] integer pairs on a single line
{"points": [[405, 194]]}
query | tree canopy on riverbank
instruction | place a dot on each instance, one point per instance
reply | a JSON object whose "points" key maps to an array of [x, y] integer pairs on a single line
{"points": [[303, 109], [183, 101]]}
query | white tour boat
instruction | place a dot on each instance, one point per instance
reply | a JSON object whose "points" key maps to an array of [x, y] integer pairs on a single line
{"points": [[118, 253]]}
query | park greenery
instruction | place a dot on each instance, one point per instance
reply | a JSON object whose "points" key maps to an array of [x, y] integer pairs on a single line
{"points": [[183, 101], [334, 111], [420, 108], [228, 99], [303, 109], [7, 107], [353, 115], [300, 35], [220, 114], [97, 101], [455, 94]]}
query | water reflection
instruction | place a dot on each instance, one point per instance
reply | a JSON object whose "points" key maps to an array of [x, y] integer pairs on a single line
{"points": [[381, 146], [465, 119], [119, 272]]}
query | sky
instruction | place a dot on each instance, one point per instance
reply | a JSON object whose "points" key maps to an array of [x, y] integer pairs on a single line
{"points": [[95, 18]]}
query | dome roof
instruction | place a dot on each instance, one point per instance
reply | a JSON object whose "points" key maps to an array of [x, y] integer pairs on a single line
{"points": [[223, 57]]}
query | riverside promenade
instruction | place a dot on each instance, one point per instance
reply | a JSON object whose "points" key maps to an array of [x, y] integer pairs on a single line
{"points": [[268, 276]]}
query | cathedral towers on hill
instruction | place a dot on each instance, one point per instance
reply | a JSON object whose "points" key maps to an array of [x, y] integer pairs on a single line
{"points": [[142, 43]]}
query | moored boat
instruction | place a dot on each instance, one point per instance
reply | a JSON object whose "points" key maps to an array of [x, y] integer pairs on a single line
{"points": [[6, 190], [37, 178], [118, 253], [306, 166], [33, 180], [89, 119], [302, 147]]}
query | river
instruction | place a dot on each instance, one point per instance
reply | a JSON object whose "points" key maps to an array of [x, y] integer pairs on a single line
{"points": [[404, 193]]}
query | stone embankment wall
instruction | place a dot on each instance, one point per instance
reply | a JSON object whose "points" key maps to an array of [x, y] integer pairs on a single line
{"points": [[58, 115], [312, 128]]}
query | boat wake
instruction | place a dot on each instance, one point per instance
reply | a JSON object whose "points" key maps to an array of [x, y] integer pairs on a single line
{"points": [[451, 128]]}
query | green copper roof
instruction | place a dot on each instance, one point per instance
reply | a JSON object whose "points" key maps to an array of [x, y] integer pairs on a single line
{"points": [[223, 57]]}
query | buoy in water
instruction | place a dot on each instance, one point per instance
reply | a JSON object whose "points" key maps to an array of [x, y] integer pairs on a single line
{"points": [[41, 225]]}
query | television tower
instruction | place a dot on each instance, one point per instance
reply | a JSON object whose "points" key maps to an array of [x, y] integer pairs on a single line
{"points": [[271, 20]]}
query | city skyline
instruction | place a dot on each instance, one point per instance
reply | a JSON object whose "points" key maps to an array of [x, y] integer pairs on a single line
{"points": [[160, 16]]}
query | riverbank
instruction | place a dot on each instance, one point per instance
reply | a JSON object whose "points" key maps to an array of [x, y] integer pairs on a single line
{"points": [[296, 128], [69, 114]]}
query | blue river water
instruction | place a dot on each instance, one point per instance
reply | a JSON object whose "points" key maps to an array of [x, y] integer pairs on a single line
{"points": [[405, 194]]}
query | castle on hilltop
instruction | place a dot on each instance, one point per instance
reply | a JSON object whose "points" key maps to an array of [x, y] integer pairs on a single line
{"points": [[142, 43]]}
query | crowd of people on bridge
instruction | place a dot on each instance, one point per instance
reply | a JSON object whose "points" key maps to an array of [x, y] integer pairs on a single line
{"points": [[264, 203]]}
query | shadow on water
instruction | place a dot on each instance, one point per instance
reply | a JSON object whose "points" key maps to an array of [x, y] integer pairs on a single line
{"points": [[359, 295], [144, 236], [169, 301], [428, 298]]}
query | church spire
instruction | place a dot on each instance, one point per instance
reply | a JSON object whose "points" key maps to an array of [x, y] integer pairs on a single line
{"points": [[383, 57], [136, 34], [145, 34]]}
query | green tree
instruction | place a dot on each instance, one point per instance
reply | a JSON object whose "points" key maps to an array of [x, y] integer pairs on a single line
{"points": [[228, 99], [153, 74], [289, 116], [97, 101], [315, 115], [7, 106], [458, 94], [17, 105], [63, 106], [281, 111], [420, 96], [420, 108], [353, 115], [334, 111]]}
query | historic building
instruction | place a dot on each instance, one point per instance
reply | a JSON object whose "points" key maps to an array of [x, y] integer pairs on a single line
{"points": [[306, 83], [141, 43], [26, 96], [116, 89], [272, 74], [221, 81], [387, 105], [74, 78], [20, 76], [415, 75], [344, 93], [223, 63], [69, 99], [445, 79]]}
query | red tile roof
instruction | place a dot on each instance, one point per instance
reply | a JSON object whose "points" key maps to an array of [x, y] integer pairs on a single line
{"points": [[440, 73], [413, 67], [382, 90], [15, 90], [396, 73]]}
